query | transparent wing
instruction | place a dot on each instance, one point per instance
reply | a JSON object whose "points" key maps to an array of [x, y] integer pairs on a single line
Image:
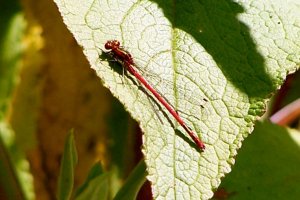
{"points": [[188, 93]]}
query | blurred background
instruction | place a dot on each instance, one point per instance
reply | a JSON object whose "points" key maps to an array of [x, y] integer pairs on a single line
{"points": [[47, 88]]}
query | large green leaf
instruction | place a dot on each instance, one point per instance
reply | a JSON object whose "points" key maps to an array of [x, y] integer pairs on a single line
{"points": [[234, 54], [267, 167]]}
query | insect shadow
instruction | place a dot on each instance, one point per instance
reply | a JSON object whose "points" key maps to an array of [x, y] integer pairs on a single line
{"points": [[187, 139]]}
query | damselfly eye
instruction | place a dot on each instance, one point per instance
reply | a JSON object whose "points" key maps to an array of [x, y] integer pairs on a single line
{"points": [[108, 45]]}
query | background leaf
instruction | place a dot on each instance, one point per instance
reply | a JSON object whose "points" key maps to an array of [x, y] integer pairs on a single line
{"points": [[233, 53], [133, 183], [15, 179], [97, 190], [96, 186], [268, 159], [68, 163], [94, 172]]}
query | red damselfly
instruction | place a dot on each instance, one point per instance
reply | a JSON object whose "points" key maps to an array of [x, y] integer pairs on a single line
{"points": [[123, 57]]}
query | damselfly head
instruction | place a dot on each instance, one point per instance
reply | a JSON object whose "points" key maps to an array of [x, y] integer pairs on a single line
{"points": [[112, 44]]}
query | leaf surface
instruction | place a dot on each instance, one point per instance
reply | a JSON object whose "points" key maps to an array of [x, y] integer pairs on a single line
{"points": [[232, 53]]}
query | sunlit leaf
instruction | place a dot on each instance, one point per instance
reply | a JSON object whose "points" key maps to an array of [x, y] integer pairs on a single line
{"points": [[234, 54]]}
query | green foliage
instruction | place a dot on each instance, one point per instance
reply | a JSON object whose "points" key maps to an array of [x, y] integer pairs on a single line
{"points": [[97, 189], [133, 184], [97, 184], [94, 172], [14, 169], [69, 161], [267, 166]]}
